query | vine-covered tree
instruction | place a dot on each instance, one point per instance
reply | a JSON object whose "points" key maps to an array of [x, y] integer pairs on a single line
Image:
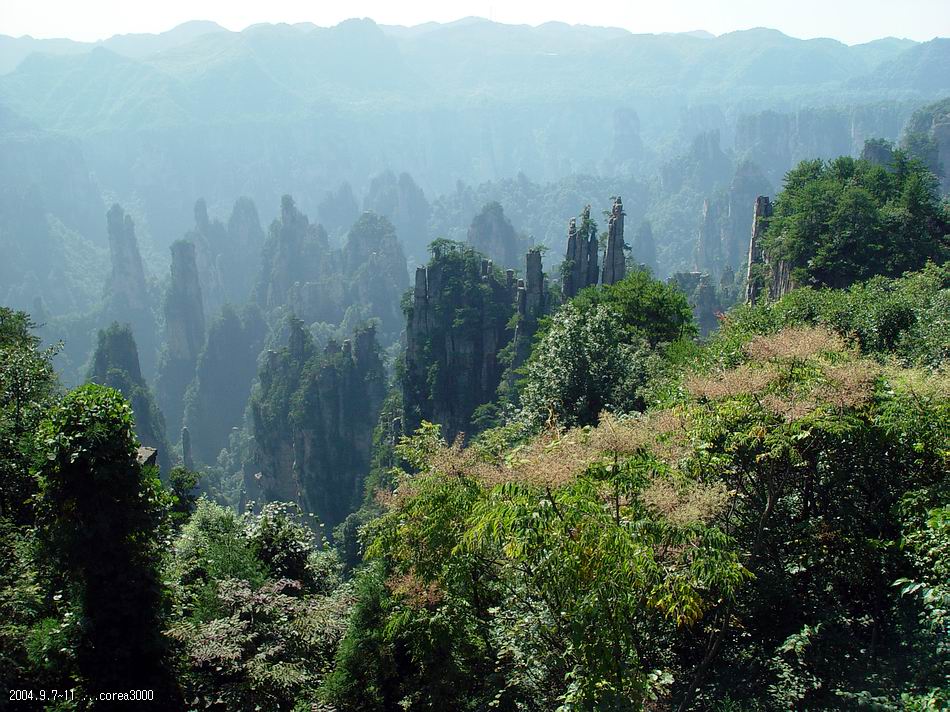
{"points": [[99, 514]]}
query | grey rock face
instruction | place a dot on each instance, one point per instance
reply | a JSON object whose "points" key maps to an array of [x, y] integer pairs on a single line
{"points": [[615, 261], [580, 269], [184, 333], [126, 287], [765, 274], [492, 234]]}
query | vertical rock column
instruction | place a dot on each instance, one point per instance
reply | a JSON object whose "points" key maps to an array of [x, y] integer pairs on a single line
{"points": [[581, 268], [760, 222], [569, 280], [127, 283], [615, 266], [184, 333]]}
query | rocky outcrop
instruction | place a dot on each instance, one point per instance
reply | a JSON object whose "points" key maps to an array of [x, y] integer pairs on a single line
{"points": [[615, 260], [297, 266], [210, 239], [701, 169], [456, 326], [723, 238], [374, 269], [338, 210], [580, 267], [216, 399], [771, 276], [405, 205], [707, 256], [747, 183], [240, 260], [778, 141], [755, 277], [365, 279], [879, 152], [187, 460], [927, 138], [313, 418], [532, 302], [127, 298], [492, 234], [184, 333], [116, 364], [126, 290]]}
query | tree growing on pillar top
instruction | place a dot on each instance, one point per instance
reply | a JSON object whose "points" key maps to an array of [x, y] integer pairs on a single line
{"points": [[615, 261]]}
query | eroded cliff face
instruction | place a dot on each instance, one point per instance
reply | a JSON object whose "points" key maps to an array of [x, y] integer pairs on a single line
{"points": [[210, 239], [492, 234], [312, 418], [723, 239], [927, 137], [773, 277], [374, 266], [127, 298], [777, 141], [533, 300], [338, 210], [240, 261], [297, 268], [216, 399], [404, 204], [318, 283], [702, 297], [184, 333], [643, 249], [580, 268], [457, 323], [126, 289]]}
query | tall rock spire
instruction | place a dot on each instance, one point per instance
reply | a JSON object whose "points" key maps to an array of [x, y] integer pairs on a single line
{"points": [[126, 296], [580, 268], [615, 266], [184, 332], [760, 222], [126, 291], [570, 277]]}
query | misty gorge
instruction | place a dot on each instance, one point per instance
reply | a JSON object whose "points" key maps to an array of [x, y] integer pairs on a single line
{"points": [[569, 360]]}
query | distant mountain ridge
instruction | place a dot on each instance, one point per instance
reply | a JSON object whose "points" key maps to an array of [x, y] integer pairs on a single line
{"points": [[200, 72], [13, 50]]}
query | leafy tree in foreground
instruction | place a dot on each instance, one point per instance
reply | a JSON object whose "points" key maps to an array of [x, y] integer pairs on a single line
{"points": [[28, 385], [99, 513], [253, 619]]}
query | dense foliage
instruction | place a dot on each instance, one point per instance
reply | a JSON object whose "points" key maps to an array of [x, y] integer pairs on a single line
{"points": [[259, 608], [598, 351], [625, 501], [788, 473], [847, 220], [98, 513]]}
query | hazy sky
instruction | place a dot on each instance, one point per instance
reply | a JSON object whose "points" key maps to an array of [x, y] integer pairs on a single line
{"points": [[850, 21]]}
